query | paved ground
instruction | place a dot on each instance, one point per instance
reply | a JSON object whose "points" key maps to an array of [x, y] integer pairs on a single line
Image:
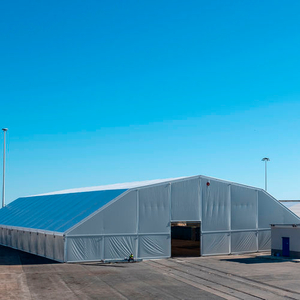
{"points": [[24, 276]]}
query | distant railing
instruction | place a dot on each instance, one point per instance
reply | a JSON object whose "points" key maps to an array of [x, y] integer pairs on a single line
{"points": [[289, 200]]}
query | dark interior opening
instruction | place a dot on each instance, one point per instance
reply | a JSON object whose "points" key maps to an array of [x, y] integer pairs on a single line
{"points": [[185, 239]]}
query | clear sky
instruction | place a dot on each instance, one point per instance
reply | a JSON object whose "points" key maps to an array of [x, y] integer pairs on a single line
{"points": [[100, 92]]}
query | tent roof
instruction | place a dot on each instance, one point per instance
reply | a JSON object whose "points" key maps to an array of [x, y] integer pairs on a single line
{"points": [[117, 186], [135, 184], [57, 212]]}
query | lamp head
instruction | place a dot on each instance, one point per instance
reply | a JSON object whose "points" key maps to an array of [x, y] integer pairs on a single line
{"points": [[265, 159], [4, 129]]}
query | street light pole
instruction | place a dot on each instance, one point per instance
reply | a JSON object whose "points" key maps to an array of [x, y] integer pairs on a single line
{"points": [[266, 159], [4, 150]]}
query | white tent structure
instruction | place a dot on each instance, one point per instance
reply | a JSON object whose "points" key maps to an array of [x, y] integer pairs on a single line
{"points": [[295, 209], [143, 218]]}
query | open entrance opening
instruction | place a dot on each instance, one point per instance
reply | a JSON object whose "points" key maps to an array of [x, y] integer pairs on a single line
{"points": [[185, 239]]}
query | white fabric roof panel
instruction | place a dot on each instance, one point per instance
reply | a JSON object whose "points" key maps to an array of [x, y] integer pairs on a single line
{"points": [[117, 186]]}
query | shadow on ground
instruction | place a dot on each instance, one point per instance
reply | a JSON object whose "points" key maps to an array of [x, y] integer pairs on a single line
{"points": [[112, 265], [253, 260], [9, 256]]}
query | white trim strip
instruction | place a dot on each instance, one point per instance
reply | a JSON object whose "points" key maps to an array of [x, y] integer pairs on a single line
{"points": [[33, 230], [185, 221], [236, 230], [116, 234]]}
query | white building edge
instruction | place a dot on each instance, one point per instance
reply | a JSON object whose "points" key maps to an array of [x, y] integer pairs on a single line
{"points": [[111, 222]]}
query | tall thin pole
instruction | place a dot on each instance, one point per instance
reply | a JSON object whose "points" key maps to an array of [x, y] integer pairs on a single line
{"points": [[266, 179], [4, 150], [266, 159]]}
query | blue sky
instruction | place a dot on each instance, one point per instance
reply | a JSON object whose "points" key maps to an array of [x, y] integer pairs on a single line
{"points": [[100, 92]]}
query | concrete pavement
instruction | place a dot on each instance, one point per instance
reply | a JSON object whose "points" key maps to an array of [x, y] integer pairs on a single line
{"points": [[25, 276]]}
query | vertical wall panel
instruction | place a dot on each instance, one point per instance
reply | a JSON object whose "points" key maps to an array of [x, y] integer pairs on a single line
{"points": [[75, 249], [3, 236], [243, 242], [264, 240], [59, 248], [26, 240], [154, 210], [41, 239], [215, 243], [93, 248], [243, 208], [84, 248], [119, 247], [33, 243], [154, 246], [215, 205], [185, 200], [5, 231], [21, 236], [20, 239], [49, 253], [8, 237], [14, 239]]}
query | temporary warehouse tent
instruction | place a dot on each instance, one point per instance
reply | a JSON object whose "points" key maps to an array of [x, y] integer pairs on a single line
{"points": [[152, 219]]}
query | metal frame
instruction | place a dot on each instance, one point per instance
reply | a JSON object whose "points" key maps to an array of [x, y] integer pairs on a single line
{"points": [[230, 204]]}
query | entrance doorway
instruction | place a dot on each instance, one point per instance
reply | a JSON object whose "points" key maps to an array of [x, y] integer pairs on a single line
{"points": [[185, 239], [285, 246]]}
